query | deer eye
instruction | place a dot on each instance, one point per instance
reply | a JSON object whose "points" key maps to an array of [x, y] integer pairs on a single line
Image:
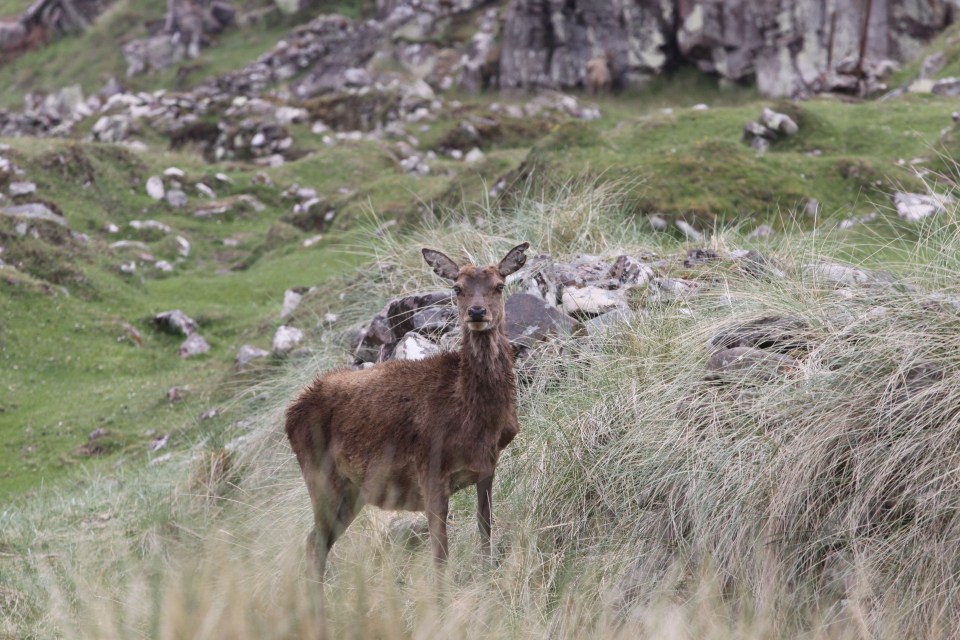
{"points": [[457, 289], [501, 287]]}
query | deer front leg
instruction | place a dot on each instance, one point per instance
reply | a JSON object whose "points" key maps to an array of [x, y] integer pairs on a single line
{"points": [[485, 514]]}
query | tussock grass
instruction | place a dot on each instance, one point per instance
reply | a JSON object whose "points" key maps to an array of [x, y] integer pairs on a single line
{"points": [[639, 500]]}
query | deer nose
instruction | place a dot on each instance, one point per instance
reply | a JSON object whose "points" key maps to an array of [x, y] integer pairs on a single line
{"points": [[476, 314]]}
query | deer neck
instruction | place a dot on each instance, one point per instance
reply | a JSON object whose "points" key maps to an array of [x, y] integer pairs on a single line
{"points": [[486, 368]]}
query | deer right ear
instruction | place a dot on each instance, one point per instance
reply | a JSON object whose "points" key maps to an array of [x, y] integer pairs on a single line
{"points": [[442, 265]]}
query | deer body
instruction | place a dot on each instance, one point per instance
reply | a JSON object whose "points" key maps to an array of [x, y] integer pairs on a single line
{"points": [[406, 435]]}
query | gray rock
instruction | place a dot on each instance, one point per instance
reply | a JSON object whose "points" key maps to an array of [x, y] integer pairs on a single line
{"points": [[914, 207], [778, 122], [691, 234], [33, 211], [658, 223], [631, 272], [530, 320], [700, 257], [414, 346], [838, 274], [291, 300], [601, 324], [781, 334], [174, 173], [175, 322], [18, 189], [762, 231], [591, 301], [194, 345], [176, 198], [286, 339], [113, 128], [671, 289], [749, 363], [946, 87], [155, 188], [247, 354], [150, 225], [434, 321]]}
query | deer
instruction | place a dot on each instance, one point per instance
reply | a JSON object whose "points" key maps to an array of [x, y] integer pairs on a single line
{"points": [[407, 434]]}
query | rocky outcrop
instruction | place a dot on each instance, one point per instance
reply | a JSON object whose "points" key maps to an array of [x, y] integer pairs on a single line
{"points": [[789, 47]]}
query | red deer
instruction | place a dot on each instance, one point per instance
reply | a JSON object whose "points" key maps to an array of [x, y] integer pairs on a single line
{"points": [[406, 435]]}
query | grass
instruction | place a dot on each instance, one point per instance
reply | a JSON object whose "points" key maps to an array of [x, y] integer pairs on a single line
{"points": [[638, 500]]}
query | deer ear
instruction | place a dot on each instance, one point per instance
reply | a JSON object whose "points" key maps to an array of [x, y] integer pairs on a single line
{"points": [[513, 260], [442, 265]]}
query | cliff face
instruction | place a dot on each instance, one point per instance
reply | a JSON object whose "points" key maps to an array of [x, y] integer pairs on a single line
{"points": [[791, 47]]}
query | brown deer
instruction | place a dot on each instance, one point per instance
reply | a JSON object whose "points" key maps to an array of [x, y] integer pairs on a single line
{"points": [[406, 435]]}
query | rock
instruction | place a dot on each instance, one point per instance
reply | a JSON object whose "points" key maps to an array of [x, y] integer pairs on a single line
{"points": [[658, 223], [176, 199], [290, 115], [671, 289], [247, 354], [591, 301], [112, 128], [286, 339], [473, 156], [434, 321], [781, 334], [838, 274], [183, 247], [631, 272], [778, 122], [414, 346], [206, 191], [33, 211], [530, 320], [758, 265], [155, 188], [932, 65], [291, 300], [747, 362], [601, 324], [946, 87], [163, 265], [18, 189], [150, 225], [914, 207], [762, 231], [175, 173], [175, 322], [700, 257], [691, 234], [194, 345]]}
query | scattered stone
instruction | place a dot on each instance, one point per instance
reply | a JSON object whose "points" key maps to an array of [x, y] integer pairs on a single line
{"points": [[286, 339], [163, 265], [155, 188], [247, 354], [631, 272], [530, 320], [946, 87], [591, 301], [33, 211], [175, 173], [691, 234], [207, 191], [175, 322], [473, 156], [194, 345], [838, 274], [177, 394], [312, 240], [112, 228], [914, 207], [748, 362], [700, 257], [19, 189], [671, 289], [159, 442], [291, 300], [210, 414], [150, 225], [781, 334], [176, 199], [183, 247], [762, 231], [414, 346], [658, 223]]}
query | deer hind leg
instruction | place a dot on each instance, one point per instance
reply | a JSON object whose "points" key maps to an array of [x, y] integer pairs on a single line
{"points": [[335, 504], [437, 506], [485, 514]]}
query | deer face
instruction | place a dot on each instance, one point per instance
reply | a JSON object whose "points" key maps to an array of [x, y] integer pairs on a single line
{"points": [[479, 291]]}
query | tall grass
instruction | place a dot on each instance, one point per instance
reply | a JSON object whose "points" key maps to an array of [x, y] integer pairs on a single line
{"points": [[639, 500]]}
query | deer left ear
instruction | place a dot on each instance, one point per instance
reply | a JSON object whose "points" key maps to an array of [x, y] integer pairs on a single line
{"points": [[514, 259]]}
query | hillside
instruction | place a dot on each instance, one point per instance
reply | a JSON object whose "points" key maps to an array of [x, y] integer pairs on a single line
{"points": [[275, 186]]}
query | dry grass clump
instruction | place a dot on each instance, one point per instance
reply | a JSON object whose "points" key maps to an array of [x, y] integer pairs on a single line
{"points": [[641, 498]]}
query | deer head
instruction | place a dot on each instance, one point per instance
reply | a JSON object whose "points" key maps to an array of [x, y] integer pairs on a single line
{"points": [[478, 290]]}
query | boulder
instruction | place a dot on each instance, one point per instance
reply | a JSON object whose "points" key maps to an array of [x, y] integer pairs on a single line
{"points": [[155, 188], [591, 301], [286, 339], [175, 322], [530, 320], [247, 354], [414, 346], [194, 345], [749, 363], [176, 199]]}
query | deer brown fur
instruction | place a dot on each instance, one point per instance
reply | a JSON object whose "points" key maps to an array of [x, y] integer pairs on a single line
{"points": [[406, 435]]}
